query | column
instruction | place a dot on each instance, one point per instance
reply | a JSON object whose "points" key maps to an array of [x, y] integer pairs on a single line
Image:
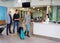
{"points": [[54, 13], [47, 9]]}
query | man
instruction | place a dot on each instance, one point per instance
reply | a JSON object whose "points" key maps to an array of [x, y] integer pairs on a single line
{"points": [[16, 20], [9, 22], [27, 23]]}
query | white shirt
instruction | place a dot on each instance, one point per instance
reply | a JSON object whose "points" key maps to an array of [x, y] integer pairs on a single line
{"points": [[47, 20]]}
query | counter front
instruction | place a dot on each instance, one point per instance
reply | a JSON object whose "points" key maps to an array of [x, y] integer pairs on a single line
{"points": [[46, 29]]}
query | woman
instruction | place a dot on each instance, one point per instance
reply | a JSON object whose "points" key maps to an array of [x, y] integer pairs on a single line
{"points": [[47, 18], [27, 23]]}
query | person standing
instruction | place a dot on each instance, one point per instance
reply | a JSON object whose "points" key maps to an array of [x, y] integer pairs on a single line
{"points": [[16, 20], [47, 18], [9, 22], [27, 23]]}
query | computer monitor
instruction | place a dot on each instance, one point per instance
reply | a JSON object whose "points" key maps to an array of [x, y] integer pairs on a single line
{"points": [[26, 4]]}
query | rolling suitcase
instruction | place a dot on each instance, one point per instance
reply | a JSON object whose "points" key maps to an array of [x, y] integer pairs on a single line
{"points": [[21, 33], [1, 28]]}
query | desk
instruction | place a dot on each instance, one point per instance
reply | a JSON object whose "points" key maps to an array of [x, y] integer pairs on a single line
{"points": [[44, 29]]}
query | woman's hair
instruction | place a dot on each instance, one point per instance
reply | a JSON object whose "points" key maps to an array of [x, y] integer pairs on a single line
{"points": [[28, 11], [16, 10], [47, 15]]}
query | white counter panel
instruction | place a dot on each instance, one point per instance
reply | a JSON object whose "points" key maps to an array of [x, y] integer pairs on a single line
{"points": [[50, 30]]}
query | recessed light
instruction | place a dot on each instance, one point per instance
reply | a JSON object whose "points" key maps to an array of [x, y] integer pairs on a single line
{"points": [[37, 9], [33, 7]]}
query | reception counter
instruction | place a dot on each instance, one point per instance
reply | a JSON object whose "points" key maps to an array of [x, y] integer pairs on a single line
{"points": [[46, 29]]}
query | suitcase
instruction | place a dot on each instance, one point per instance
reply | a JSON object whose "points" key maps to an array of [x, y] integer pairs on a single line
{"points": [[21, 33], [1, 30], [19, 29]]}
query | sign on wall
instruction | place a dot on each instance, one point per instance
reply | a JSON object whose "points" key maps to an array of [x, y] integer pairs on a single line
{"points": [[3, 12]]}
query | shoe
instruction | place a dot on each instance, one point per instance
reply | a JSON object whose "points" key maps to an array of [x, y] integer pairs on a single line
{"points": [[28, 35], [25, 33], [10, 32], [6, 34]]}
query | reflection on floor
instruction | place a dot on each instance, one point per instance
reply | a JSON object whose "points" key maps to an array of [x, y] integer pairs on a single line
{"points": [[14, 38]]}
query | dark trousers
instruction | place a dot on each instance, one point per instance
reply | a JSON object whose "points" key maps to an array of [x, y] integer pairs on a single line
{"points": [[8, 28], [16, 24]]}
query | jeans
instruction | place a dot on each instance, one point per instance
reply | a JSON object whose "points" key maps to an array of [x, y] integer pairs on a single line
{"points": [[8, 28], [27, 27], [16, 24]]}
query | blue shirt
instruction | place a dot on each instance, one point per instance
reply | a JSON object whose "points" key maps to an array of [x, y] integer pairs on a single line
{"points": [[7, 19]]}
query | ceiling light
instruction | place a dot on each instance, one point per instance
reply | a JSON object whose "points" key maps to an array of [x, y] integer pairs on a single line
{"points": [[22, 8], [33, 7], [37, 9]]}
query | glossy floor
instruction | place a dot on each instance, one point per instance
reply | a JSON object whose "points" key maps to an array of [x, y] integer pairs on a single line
{"points": [[14, 38]]}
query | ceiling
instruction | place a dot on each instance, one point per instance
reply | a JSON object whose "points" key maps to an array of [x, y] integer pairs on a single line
{"points": [[7, 0]]}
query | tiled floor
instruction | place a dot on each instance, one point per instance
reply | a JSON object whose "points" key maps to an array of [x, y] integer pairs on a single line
{"points": [[14, 38]]}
